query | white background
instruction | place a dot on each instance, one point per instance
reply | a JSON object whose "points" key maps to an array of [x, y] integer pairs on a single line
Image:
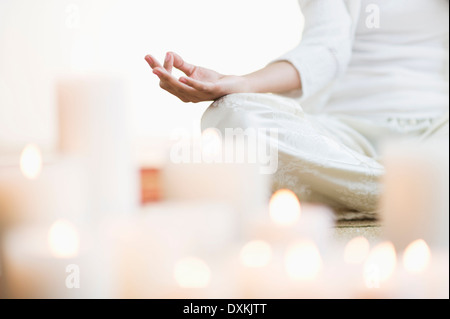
{"points": [[43, 40]]}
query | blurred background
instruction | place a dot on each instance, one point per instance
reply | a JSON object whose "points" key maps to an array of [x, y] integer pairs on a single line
{"points": [[72, 197], [41, 41]]}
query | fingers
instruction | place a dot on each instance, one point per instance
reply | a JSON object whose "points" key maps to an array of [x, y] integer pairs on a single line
{"points": [[198, 85], [168, 62], [181, 65], [152, 61], [169, 83]]}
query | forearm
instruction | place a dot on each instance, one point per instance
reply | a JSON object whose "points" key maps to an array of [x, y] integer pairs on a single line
{"points": [[278, 77]]}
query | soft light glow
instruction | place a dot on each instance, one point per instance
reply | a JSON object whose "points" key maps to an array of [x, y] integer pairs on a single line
{"points": [[416, 257], [31, 161], [356, 250], [256, 254], [284, 208], [303, 261], [192, 272], [63, 239], [380, 264]]}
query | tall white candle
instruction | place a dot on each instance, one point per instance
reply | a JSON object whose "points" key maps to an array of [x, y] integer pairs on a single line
{"points": [[415, 200], [93, 125], [215, 167], [34, 189]]}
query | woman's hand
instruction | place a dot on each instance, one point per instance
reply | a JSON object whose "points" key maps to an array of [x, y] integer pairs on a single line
{"points": [[199, 84]]}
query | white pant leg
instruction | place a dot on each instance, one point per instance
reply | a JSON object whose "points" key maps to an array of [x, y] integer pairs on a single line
{"points": [[320, 158], [439, 130]]}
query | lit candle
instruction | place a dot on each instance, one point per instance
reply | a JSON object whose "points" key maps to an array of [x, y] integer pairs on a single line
{"points": [[198, 169], [344, 271], [422, 274], [259, 271], [289, 220], [415, 201], [303, 266], [277, 224], [379, 269], [147, 247], [284, 208], [192, 277], [303, 261], [49, 263], [37, 188], [356, 251]]}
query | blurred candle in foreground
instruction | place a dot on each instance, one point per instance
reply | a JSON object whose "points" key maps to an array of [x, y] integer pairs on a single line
{"points": [[303, 261], [38, 187], [63, 239], [303, 266], [192, 277], [192, 272], [380, 265], [415, 201], [256, 253], [356, 250], [284, 208], [93, 127], [31, 161], [416, 257], [418, 277], [49, 263]]}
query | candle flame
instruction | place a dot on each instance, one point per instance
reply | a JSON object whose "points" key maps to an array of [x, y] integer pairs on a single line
{"points": [[63, 239], [31, 161], [416, 257], [256, 253], [284, 208], [303, 261], [380, 264], [356, 250], [192, 272]]}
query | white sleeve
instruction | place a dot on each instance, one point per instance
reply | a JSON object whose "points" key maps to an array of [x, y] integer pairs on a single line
{"points": [[326, 46]]}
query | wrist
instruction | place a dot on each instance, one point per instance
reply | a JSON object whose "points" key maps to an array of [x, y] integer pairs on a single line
{"points": [[242, 84]]}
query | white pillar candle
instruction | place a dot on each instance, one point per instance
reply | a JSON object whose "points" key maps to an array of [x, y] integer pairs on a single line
{"points": [[287, 220], [210, 168], [41, 190], [422, 274], [52, 262], [93, 125], [415, 200], [147, 247]]}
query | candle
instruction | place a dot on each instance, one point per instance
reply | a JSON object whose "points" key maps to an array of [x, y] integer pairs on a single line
{"points": [[343, 273], [148, 246], [56, 262], [259, 271], [415, 200], [288, 220], [356, 250], [198, 168], [378, 272], [304, 267], [40, 188], [423, 274], [93, 126]]}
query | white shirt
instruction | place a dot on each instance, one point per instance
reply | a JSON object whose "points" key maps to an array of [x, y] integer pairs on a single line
{"points": [[385, 58]]}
